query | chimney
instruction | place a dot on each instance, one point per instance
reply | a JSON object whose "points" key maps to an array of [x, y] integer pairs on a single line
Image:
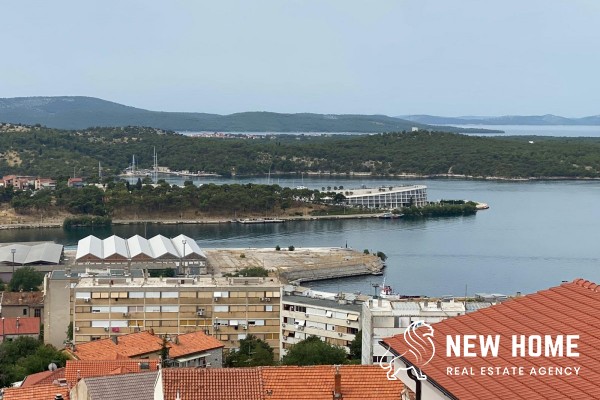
{"points": [[337, 388], [115, 339]]}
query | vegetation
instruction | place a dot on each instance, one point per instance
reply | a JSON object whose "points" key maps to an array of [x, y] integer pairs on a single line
{"points": [[24, 356], [26, 279], [314, 351], [55, 153], [250, 272], [356, 347], [440, 210], [166, 272], [253, 352], [81, 112]]}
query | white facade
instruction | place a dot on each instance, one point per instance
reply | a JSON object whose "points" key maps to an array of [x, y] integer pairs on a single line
{"points": [[388, 197], [385, 318], [334, 319]]}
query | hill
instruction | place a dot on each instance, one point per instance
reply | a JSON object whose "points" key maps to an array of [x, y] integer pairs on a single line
{"points": [[73, 112], [51, 152], [547, 119]]}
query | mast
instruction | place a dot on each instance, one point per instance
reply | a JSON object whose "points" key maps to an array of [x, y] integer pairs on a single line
{"points": [[155, 172]]}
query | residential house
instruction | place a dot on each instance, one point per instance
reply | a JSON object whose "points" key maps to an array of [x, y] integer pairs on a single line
{"points": [[16, 327], [75, 183], [22, 304], [138, 386]]}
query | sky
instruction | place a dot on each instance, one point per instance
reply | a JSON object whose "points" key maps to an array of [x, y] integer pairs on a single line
{"points": [[439, 57]]}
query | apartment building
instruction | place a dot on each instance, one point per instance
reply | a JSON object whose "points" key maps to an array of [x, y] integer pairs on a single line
{"points": [[226, 308], [335, 318], [382, 318]]}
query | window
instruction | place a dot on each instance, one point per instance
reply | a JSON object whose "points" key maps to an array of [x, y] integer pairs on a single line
{"points": [[37, 313], [83, 295], [170, 308], [24, 311], [152, 295], [221, 308], [136, 295], [169, 295], [268, 308]]}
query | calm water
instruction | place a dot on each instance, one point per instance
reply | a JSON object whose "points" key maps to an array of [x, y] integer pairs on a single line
{"points": [[542, 130], [534, 236]]}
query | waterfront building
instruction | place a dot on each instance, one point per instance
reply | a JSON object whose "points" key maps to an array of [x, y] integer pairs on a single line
{"points": [[181, 252], [532, 360], [334, 318], [383, 318], [387, 197], [228, 309]]}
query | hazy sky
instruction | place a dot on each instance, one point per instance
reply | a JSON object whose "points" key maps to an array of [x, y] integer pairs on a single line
{"points": [[460, 57]]}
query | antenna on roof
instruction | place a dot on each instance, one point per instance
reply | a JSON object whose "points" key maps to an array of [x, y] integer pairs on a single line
{"points": [[52, 367]]}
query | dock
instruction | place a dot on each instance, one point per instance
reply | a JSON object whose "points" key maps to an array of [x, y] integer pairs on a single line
{"points": [[297, 266]]}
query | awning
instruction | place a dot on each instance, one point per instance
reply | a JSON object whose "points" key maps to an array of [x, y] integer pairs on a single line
{"points": [[352, 317]]}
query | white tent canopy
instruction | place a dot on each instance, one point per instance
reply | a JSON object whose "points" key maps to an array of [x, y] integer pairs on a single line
{"points": [[25, 254]]}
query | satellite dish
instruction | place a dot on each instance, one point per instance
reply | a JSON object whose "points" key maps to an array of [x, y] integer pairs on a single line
{"points": [[52, 367]]}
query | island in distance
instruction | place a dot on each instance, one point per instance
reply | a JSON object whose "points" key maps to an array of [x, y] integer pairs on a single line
{"points": [[77, 112]]}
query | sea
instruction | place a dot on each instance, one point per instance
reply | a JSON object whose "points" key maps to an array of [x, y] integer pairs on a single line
{"points": [[536, 234]]}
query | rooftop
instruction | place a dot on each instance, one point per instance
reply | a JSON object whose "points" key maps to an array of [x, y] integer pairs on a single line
{"points": [[568, 309], [177, 282], [358, 382], [43, 378], [60, 274], [138, 344], [379, 190], [41, 392], [21, 298], [117, 387], [20, 326], [408, 307], [31, 253], [325, 303], [78, 369]]}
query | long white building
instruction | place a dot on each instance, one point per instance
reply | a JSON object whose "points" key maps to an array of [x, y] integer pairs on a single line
{"points": [[388, 197]]}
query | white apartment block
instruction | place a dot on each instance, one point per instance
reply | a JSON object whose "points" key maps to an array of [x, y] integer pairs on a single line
{"points": [[334, 318], [383, 318]]}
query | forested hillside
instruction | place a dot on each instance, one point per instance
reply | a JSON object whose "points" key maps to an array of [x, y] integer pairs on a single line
{"points": [[49, 152]]}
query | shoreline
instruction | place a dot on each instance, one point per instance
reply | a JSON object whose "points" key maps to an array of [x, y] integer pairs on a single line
{"points": [[190, 221]]}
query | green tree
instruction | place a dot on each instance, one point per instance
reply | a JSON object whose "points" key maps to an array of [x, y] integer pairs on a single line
{"points": [[24, 356], [253, 352], [314, 351], [164, 352], [70, 331], [26, 278], [356, 347]]}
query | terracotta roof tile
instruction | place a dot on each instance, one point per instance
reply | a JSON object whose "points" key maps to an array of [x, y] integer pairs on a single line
{"points": [[25, 326], [138, 344], [568, 309], [41, 392], [22, 298], [358, 382], [77, 369], [213, 384], [43, 378]]}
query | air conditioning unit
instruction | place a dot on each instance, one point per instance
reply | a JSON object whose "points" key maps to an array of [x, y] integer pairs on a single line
{"points": [[340, 334], [125, 315], [216, 299], [284, 338], [348, 321], [306, 315], [300, 328], [106, 329], [292, 308], [283, 325], [76, 329], [267, 299], [245, 327], [87, 299], [200, 313], [263, 299]]}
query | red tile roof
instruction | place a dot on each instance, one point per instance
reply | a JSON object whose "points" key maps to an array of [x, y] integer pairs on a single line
{"points": [[77, 369], [25, 326], [41, 392], [43, 378], [137, 344], [22, 298], [213, 384], [358, 382], [569, 309]]}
